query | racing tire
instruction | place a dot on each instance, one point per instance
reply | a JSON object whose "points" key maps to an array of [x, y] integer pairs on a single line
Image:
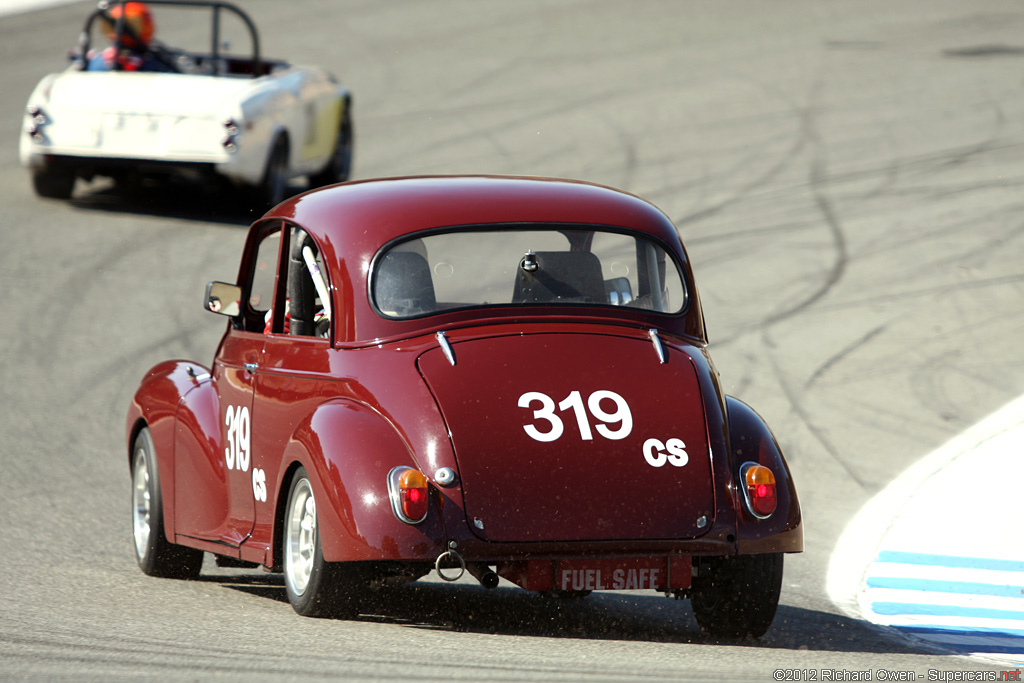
{"points": [[315, 587], [54, 183], [155, 554], [736, 597], [274, 187], [339, 167], [129, 184]]}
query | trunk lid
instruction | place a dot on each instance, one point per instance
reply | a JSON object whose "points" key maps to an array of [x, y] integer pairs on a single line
{"points": [[562, 437], [146, 93], [131, 115]]}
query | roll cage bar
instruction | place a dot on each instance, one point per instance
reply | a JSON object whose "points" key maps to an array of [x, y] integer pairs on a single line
{"points": [[122, 29]]}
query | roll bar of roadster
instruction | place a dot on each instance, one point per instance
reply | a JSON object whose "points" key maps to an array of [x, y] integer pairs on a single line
{"points": [[122, 29]]}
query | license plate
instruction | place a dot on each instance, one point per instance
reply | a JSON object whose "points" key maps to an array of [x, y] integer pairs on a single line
{"points": [[128, 133], [658, 573]]}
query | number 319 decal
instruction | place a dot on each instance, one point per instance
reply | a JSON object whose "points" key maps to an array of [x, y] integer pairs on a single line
{"points": [[546, 412], [613, 425], [237, 452]]}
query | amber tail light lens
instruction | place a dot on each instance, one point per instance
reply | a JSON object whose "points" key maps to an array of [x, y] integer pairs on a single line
{"points": [[758, 489], [408, 491]]}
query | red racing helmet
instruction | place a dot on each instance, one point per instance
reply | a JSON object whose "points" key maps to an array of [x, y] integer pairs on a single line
{"points": [[137, 17]]}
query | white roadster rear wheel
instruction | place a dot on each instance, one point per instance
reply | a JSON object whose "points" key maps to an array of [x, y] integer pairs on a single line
{"points": [[274, 188], [54, 183]]}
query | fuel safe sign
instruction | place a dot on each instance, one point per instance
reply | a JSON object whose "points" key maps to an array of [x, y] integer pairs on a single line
{"points": [[619, 574]]}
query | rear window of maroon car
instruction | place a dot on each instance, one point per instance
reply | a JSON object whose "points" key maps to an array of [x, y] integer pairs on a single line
{"points": [[540, 266]]}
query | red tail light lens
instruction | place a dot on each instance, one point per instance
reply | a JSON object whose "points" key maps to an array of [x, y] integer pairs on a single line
{"points": [[413, 487], [408, 490], [759, 489]]}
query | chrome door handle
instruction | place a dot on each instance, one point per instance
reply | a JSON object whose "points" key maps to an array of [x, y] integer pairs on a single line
{"points": [[251, 367]]}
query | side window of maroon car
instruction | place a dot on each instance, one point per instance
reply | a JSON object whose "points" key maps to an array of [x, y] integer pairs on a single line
{"points": [[261, 293], [307, 303]]}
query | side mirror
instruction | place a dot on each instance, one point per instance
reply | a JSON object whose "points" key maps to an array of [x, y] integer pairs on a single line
{"points": [[223, 299]]}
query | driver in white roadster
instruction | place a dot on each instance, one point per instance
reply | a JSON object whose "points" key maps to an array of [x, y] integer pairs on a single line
{"points": [[135, 53]]}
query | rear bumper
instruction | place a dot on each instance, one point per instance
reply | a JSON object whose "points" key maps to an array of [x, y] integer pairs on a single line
{"points": [[89, 166], [111, 166], [713, 544]]}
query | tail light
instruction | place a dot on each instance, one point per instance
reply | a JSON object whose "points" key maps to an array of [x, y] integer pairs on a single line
{"points": [[37, 115], [37, 119], [408, 489], [758, 489], [231, 131]]}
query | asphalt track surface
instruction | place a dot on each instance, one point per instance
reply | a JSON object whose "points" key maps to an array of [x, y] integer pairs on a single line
{"points": [[846, 176]]}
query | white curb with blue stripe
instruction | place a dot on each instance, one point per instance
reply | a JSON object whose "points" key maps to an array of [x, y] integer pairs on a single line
{"points": [[938, 556]]}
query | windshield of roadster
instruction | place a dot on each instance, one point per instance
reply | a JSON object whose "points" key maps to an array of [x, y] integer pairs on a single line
{"points": [[525, 267]]}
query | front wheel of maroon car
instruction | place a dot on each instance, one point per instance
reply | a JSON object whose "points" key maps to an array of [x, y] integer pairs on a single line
{"points": [[315, 587], [155, 554], [736, 597]]}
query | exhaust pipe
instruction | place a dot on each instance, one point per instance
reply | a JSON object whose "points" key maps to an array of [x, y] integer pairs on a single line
{"points": [[484, 574]]}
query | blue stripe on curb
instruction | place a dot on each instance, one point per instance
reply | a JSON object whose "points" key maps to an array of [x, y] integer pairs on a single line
{"points": [[897, 557], [939, 586], [907, 608], [981, 640], [977, 632]]}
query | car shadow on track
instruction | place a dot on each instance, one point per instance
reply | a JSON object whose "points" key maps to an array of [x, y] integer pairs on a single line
{"points": [[181, 200], [600, 616]]}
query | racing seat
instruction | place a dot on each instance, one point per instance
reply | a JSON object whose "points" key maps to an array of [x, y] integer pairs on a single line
{"points": [[572, 276], [404, 287]]}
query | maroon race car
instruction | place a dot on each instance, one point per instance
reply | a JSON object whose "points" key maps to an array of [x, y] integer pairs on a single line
{"points": [[502, 376]]}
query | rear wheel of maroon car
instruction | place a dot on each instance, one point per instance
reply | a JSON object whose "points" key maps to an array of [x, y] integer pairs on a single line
{"points": [[316, 588], [156, 556], [736, 597]]}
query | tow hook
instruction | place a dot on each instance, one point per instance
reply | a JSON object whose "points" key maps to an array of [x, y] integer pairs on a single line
{"points": [[450, 555]]}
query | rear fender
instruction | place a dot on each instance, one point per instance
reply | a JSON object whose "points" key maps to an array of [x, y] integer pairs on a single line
{"points": [[751, 440], [259, 115], [348, 449], [155, 405]]}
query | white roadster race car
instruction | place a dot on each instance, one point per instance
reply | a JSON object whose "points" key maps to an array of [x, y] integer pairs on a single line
{"points": [[150, 111]]}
